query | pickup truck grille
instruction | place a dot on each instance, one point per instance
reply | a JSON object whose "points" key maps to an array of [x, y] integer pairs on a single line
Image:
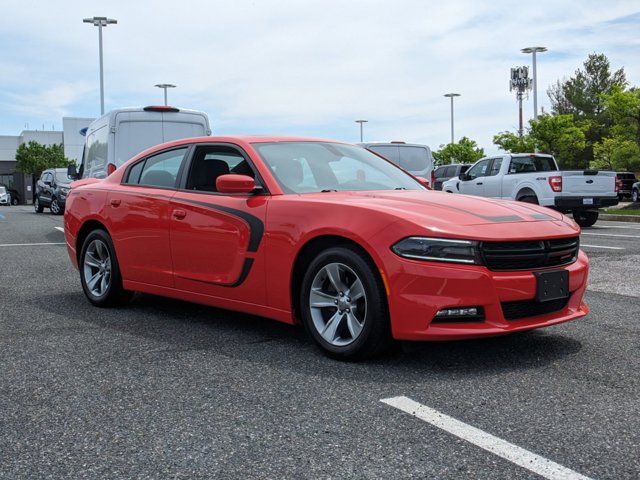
{"points": [[529, 254]]}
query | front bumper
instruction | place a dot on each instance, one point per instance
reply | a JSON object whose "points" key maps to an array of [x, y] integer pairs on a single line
{"points": [[418, 290], [572, 203]]}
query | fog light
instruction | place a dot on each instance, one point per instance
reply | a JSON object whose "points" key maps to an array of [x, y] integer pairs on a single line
{"points": [[458, 312]]}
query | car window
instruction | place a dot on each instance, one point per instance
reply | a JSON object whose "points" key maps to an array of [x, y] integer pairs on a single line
{"points": [[532, 164], [209, 162], [464, 168], [160, 170], [495, 166], [303, 167], [96, 158], [413, 158], [451, 172], [62, 177], [390, 152], [440, 172], [478, 170]]}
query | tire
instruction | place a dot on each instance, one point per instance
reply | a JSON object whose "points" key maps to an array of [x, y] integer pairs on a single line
{"points": [[14, 201], [355, 328], [635, 196], [585, 218], [529, 199], [37, 206], [98, 261], [55, 207]]}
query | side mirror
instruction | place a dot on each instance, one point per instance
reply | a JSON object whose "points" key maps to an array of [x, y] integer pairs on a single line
{"points": [[232, 183], [463, 177], [72, 172], [424, 182]]}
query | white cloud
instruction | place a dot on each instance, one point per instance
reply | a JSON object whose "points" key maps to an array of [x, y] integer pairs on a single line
{"points": [[310, 67]]}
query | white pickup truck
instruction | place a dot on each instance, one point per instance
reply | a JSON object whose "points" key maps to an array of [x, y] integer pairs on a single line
{"points": [[535, 178]]}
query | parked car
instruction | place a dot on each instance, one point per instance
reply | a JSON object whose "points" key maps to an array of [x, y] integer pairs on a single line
{"points": [[445, 172], [352, 247], [5, 196], [625, 184], [121, 134], [414, 158], [535, 178], [51, 191], [635, 192], [13, 194]]}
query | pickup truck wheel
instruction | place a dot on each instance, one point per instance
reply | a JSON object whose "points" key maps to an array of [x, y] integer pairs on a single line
{"points": [[585, 218], [529, 199]]}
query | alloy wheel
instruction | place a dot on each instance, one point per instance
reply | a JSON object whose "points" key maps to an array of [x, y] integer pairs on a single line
{"points": [[338, 304], [55, 207], [36, 204], [97, 268]]}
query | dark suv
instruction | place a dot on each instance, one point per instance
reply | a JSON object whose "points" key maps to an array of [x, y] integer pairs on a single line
{"points": [[51, 191], [445, 172], [625, 184]]}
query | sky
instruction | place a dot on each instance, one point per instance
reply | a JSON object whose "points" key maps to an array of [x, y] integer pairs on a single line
{"points": [[305, 67]]}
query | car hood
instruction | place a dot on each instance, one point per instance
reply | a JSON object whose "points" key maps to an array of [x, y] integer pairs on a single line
{"points": [[432, 208]]}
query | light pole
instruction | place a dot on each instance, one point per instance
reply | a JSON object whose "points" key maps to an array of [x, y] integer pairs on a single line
{"points": [[451, 95], [164, 86], [534, 50], [361, 122], [100, 22]]}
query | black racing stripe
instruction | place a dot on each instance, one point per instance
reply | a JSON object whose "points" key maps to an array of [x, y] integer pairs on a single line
{"points": [[246, 268], [256, 227]]}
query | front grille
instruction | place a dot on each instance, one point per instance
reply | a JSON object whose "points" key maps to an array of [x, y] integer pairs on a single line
{"points": [[531, 308], [529, 254]]}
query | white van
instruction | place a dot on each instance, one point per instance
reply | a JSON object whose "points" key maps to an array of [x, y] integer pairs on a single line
{"points": [[414, 158], [121, 134]]}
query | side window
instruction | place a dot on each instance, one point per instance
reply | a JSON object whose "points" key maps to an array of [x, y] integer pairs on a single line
{"points": [[478, 170], [440, 172], [390, 152], [451, 172], [159, 170], [134, 173], [96, 154], [209, 162], [495, 167]]}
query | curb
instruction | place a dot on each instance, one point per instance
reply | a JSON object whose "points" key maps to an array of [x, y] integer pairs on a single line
{"points": [[620, 218]]}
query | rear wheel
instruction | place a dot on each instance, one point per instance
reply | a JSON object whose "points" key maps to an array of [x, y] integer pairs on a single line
{"points": [[344, 306], [56, 209], [585, 218], [37, 206], [14, 201], [529, 199], [100, 272]]}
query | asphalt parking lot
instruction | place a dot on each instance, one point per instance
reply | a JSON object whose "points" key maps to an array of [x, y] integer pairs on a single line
{"points": [[167, 389]]}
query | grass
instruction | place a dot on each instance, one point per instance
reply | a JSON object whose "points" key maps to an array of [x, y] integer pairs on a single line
{"points": [[633, 209]]}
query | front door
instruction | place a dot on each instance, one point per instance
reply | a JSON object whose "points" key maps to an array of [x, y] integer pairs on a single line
{"points": [[474, 182], [216, 239]]}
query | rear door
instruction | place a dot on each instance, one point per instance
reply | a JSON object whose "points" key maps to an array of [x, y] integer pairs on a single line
{"points": [[139, 211], [216, 237]]}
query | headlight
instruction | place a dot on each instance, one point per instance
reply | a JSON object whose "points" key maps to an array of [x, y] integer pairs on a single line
{"points": [[438, 250]]}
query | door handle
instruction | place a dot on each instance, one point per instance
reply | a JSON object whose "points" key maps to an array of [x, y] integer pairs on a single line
{"points": [[479, 183], [179, 214], [116, 202]]}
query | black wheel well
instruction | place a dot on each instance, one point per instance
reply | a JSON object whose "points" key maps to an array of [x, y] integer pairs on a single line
{"points": [[86, 228], [306, 255], [526, 192]]}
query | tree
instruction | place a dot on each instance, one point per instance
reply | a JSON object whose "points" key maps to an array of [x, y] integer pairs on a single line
{"points": [[514, 143], [561, 137], [32, 158], [623, 107], [617, 154], [464, 151]]}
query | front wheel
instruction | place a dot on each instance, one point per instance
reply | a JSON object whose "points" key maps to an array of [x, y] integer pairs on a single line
{"points": [[585, 218], [56, 209], [100, 272], [634, 196], [14, 201], [37, 206], [344, 306]]}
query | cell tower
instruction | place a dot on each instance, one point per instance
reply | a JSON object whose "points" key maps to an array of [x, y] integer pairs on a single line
{"points": [[521, 84]]}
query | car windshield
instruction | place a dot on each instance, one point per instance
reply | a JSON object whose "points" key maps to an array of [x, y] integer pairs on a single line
{"points": [[305, 167], [62, 177]]}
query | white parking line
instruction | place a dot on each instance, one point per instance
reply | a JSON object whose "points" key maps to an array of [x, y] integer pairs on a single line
{"points": [[27, 244], [610, 235], [601, 246], [515, 454], [59, 228], [602, 227]]}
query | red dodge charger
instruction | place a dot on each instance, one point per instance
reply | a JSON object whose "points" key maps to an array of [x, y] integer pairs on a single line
{"points": [[325, 234]]}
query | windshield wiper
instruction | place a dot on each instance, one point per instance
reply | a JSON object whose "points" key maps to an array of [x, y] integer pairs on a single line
{"points": [[328, 190], [399, 188]]}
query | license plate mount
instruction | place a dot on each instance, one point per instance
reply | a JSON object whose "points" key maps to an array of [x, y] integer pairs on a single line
{"points": [[552, 285], [587, 201]]}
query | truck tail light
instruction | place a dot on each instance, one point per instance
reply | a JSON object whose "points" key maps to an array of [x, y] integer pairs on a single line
{"points": [[111, 168], [555, 183], [618, 184], [433, 178]]}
